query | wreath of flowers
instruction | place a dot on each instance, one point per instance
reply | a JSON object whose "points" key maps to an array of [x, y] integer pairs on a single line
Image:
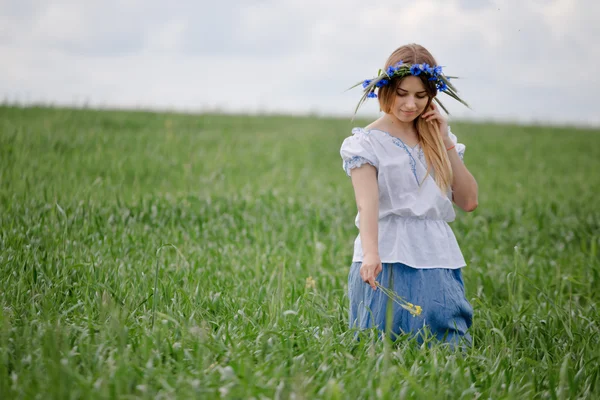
{"points": [[401, 70]]}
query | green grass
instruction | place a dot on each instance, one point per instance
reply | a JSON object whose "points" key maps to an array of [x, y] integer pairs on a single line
{"points": [[235, 213]]}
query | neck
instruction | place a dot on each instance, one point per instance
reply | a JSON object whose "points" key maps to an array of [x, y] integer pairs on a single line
{"points": [[399, 125]]}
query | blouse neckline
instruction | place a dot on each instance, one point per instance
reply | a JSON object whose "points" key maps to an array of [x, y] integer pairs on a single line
{"points": [[413, 148]]}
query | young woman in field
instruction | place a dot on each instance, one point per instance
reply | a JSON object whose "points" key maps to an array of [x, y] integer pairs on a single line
{"points": [[406, 169]]}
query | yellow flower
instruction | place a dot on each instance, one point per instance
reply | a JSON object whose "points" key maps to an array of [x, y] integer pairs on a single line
{"points": [[416, 311], [410, 307], [310, 283]]}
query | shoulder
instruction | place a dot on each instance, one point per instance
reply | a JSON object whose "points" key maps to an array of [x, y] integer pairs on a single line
{"points": [[361, 132], [367, 138], [359, 144], [359, 136], [376, 125]]}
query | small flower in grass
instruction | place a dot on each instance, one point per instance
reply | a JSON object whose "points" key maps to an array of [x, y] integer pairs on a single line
{"points": [[415, 70], [310, 283], [371, 95], [366, 83]]}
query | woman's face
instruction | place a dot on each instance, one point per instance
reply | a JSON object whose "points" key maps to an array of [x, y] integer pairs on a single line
{"points": [[411, 99]]}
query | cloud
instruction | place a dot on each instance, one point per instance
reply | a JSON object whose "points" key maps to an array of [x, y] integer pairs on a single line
{"points": [[518, 60], [264, 29]]}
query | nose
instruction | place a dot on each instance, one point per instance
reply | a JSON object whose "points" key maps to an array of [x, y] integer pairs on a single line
{"points": [[410, 104]]}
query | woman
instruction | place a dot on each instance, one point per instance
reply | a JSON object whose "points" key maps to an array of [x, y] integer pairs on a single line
{"points": [[406, 169]]}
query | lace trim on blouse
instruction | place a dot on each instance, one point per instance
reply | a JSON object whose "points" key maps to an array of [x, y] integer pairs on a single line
{"points": [[355, 162]]}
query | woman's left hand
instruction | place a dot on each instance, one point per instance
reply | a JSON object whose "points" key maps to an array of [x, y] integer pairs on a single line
{"points": [[433, 116]]}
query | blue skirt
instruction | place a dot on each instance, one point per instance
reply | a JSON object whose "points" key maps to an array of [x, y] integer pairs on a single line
{"points": [[439, 291]]}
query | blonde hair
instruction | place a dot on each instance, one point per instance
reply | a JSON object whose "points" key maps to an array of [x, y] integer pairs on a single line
{"points": [[428, 134]]}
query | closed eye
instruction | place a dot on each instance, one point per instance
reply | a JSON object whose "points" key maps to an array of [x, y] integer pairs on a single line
{"points": [[402, 93], [422, 96]]}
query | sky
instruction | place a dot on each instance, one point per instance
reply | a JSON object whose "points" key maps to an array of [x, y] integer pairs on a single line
{"points": [[524, 61]]}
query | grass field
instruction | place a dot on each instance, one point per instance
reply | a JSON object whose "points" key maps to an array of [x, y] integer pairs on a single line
{"points": [[235, 213]]}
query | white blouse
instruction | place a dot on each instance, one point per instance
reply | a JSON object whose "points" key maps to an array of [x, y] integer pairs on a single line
{"points": [[413, 219]]}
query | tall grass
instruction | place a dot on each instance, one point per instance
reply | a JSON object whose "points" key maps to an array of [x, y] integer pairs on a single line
{"points": [[160, 255]]}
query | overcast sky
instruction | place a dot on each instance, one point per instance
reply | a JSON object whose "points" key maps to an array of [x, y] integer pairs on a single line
{"points": [[519, 60]]}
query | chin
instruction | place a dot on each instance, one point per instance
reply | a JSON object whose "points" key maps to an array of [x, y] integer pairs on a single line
{"points": [[407, 117]]}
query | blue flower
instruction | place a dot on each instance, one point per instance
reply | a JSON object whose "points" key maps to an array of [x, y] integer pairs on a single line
{"points": [[382, 82], [371, 95], [415, 70], [391, 70], [433, 78], [366, 83], [399, 64], [442, 86], [426, 68], [437, 70]]}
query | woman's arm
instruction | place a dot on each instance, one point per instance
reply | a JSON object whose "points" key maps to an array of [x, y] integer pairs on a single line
{"points": [[366, 191], [464, 185]]}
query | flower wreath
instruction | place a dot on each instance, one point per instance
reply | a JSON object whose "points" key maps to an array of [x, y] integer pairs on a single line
{"points": [[401, 70]]}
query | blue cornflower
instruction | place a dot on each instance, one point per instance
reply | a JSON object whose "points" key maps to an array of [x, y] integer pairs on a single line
{"points": [[399, 64], [443, 87], [371, 95], [415, 70], [437, 70], [391, 70], [382, 82], [366, 83], [426, 68]]}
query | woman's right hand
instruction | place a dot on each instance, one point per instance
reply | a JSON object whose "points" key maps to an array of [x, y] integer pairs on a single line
{"points": [[370, 268]]}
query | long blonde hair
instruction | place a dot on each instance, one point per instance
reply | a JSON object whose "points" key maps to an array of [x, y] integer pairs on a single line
{"points": [[428, 134]]}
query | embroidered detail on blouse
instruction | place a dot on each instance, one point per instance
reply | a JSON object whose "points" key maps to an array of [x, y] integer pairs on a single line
{"points": [[355, 162], [421, 155], [413, 162]]}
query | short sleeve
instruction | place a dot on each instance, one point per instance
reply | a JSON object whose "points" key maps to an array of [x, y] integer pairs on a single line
{"points": [[460, 148], [357, 150]]}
